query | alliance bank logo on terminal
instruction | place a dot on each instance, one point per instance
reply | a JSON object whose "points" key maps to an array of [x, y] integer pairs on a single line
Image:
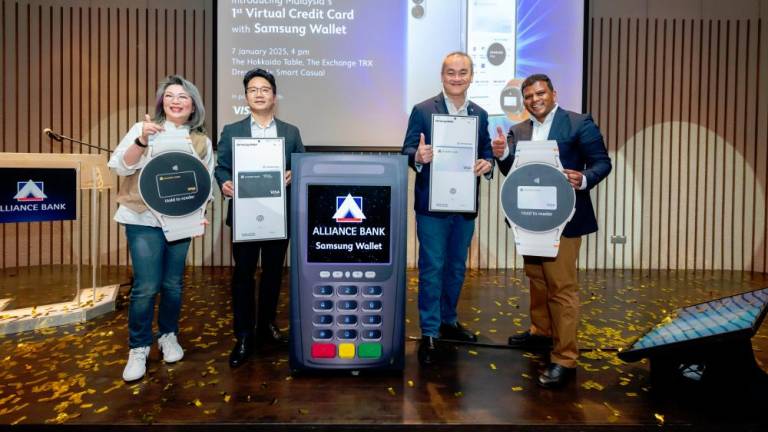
{"points": [[349, 209], [29, 191]]}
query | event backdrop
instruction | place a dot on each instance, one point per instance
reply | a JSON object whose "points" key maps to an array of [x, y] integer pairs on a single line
{"points": [[674, 85]]}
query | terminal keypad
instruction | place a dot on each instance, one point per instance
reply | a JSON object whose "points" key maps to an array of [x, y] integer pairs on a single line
{"points": [[347, 319]]}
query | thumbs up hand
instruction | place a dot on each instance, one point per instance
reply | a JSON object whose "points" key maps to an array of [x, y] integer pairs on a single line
{"points": [[149, 128], [499, 143], [424, 152]]}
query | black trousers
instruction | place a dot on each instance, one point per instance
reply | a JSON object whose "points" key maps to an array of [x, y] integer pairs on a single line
{"points": [[246, 255]]}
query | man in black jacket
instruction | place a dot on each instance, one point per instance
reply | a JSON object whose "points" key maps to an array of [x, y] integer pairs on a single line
{"points": [[444, 237], [252, 328]]}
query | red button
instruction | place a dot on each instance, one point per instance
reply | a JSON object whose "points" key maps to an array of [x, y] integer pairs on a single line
{"points": [[323, 350]]}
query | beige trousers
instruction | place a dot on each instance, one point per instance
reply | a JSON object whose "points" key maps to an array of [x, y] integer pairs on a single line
{"points": [[555, 299]]}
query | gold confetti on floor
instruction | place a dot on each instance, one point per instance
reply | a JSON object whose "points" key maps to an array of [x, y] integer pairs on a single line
{"points": [[58, 371], [592, 385], [18, 420]]}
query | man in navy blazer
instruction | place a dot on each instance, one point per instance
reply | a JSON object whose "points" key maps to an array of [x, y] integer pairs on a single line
{"points": [[553, 281], [251, 327], [444, 238]]}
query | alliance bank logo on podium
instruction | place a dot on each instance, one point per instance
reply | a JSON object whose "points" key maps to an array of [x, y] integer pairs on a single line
{"points": [[349, 209], [30, 191], [51, 196]]}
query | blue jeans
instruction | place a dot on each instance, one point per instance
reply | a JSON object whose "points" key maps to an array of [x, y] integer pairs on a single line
{"points": [[443, 247], [158, 267]]}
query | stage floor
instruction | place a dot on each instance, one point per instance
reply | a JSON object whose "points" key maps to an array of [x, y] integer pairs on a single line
{"points": [[72, 374]]}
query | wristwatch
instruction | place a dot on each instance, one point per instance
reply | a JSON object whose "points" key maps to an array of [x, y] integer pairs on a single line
{"points": [[175, 185], [537, 199]]}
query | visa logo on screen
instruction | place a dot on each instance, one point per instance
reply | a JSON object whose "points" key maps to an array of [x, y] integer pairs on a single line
{"points": [[349, 209], [241, 110]]}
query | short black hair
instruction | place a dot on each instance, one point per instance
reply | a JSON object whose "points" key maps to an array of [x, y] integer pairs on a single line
{"points": [[253, 73], [536, 78]]}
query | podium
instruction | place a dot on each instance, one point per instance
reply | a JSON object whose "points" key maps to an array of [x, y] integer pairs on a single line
{"points": [[44, 187]]}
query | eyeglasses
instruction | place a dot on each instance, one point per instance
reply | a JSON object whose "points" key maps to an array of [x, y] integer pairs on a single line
{"points": [[181, 97], [252, 91]]}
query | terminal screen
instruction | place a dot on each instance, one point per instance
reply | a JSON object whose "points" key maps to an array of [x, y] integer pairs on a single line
{"points": [[348, 224]]}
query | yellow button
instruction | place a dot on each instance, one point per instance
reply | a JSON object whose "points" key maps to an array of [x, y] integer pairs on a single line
{"points": [[346, 350]]}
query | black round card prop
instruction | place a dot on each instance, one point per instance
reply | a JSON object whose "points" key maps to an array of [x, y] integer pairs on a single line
{"points": [[175, 184], [537, 197]]}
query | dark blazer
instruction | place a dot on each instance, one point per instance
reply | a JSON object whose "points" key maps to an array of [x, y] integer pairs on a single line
{"points": [[421, 122], [581, 148], [242, 129]]}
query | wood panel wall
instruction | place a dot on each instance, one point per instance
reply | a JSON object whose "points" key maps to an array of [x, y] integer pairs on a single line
{"points": [[682, 105], [89, 70], [681, 102]]}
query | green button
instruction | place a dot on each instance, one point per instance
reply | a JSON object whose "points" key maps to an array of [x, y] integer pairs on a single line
{"points": [[369, 350]]}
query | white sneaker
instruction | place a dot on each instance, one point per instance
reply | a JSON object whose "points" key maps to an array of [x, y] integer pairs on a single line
{"points": [[137, 364], [170, 347]]}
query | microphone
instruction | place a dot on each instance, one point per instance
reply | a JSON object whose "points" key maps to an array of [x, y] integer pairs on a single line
{"points": [[60, 138], [53, 135]]}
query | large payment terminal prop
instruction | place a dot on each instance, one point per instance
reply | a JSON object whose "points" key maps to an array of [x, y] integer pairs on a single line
{"points": [[537, 198], [348, 231]]}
